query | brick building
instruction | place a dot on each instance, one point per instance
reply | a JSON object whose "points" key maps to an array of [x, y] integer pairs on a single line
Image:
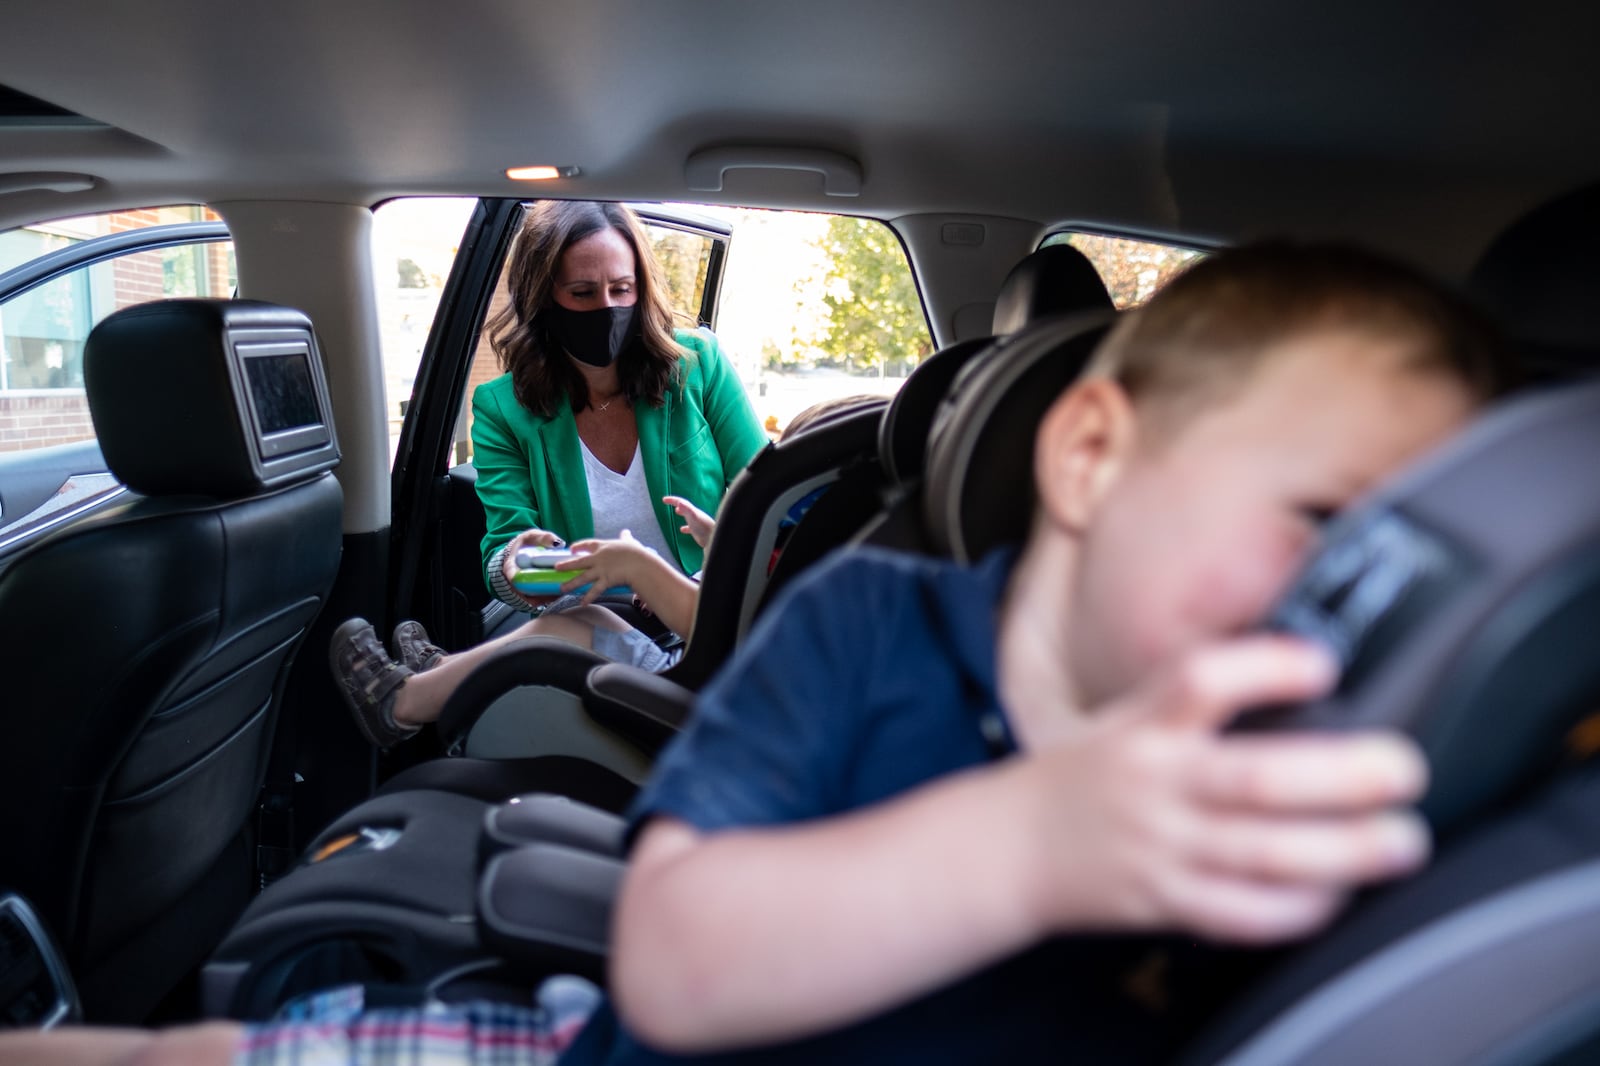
{"points": [[42, 331]]}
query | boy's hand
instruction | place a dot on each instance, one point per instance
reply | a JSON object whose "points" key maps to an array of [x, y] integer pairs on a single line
{"points": [[696, 522], [1149, 818], [608, 563]]}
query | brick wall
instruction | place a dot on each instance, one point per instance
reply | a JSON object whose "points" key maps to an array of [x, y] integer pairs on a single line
{"points": [[38, 419], [41, 419]]}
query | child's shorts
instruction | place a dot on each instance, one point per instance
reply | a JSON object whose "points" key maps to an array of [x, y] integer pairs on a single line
{"points": [[335, 1028], [630, 646]]}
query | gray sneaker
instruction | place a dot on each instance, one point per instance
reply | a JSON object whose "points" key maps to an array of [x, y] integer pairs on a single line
{"points": [[413, 648], [368, 680]]}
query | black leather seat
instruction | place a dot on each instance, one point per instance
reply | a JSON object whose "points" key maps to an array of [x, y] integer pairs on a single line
{"points": [[158, 635]]}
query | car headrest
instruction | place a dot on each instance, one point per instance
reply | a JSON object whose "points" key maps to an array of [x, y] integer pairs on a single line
{"points": [[903, 433], [219, 398], [978, 493], [1053, 280], [1541, 281], [1463, 601]]}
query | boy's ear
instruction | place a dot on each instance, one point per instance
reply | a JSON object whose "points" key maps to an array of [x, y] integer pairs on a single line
{"points": [[1084, 440]]}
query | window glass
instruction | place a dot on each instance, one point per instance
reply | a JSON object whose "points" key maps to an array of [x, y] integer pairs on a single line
{"points": [[414, 244], [42, 330], [1132, 270], [810, 307]]}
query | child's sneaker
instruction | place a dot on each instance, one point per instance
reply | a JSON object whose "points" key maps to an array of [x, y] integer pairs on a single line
{"points": [[413, 648], [368, 680]]}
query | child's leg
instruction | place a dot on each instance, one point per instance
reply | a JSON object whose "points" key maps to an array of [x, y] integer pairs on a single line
{"points": [[211, 1044], [423, 696]]}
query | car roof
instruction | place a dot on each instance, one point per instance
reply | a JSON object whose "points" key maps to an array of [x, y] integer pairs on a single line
{"points": [[1423, 128]]}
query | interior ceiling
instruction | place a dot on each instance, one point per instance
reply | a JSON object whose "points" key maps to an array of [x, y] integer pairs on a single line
{"points": [[1421, 129]]}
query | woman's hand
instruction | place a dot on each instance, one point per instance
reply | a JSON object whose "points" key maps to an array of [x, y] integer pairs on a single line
{"points": [[696, 522], [605, 564], [538, 538]]}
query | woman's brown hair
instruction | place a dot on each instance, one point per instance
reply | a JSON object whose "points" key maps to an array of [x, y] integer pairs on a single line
{"points": [[540, 372]]}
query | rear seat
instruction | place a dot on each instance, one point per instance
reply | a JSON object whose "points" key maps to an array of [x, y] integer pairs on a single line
{"points": [[341, 915]]}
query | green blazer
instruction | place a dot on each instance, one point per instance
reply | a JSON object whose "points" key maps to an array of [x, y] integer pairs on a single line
{"points": [[530, 468]]}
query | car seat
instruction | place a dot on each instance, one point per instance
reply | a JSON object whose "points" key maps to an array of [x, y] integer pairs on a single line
{"points": [[399, 913], [159, 634], [1463, 601], [1538, 280], [1488, 955]]}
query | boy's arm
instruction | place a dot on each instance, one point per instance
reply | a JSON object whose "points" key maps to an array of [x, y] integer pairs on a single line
{"points": [[755, 936], [1141, 819], [670, 596]]}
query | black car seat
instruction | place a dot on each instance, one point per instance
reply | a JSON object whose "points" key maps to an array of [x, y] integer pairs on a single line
{"points": [[550, 865], [1463, 602], [1488, 955], [1054, 280], [149, 643], [489, 715], [1538, 280]]}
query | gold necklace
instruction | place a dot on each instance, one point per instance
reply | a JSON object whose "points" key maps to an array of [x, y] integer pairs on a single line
{"points": [[608, 403]]}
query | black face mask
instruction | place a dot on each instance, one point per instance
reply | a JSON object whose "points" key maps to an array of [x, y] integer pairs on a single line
{"points": [[593, 337]]}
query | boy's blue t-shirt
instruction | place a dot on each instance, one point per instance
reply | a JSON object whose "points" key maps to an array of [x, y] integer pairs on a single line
{"points": [[875, 674]]}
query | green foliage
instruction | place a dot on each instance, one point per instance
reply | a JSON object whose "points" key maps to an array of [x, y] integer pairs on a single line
{"points": [[1132, 270], [683, 258], [874, 317], [411, 275]]}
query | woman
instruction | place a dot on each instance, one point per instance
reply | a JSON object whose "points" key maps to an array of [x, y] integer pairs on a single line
{"points": [[607, 420]]}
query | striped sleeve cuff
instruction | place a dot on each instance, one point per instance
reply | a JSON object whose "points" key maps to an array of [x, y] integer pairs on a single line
{"points": [[497, 580]]}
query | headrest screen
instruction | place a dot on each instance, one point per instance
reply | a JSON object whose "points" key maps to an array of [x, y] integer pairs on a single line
{"points": [[281, 390], [282, 397]]}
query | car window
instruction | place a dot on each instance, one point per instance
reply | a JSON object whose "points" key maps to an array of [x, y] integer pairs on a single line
{"points": [[808, 307], [43, 328], [1132, 270]]}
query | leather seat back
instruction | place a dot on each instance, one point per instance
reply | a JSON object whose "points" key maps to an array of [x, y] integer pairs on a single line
{"points": [[146, 646]]}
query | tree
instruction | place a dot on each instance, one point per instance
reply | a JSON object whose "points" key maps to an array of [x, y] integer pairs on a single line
{"points": [[411, 275], [874, 316], [681, 257], [1132, 270]]}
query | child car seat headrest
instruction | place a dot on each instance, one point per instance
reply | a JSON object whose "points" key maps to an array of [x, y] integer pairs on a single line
{"points": [[903, 433], [1539, 279], [978, 493], [1050, 281], [1463, 602], [1054, 280], [219, 398]]}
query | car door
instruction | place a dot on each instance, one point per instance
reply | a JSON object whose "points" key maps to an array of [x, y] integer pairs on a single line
{"points": [[436, 569], [51, 468]]}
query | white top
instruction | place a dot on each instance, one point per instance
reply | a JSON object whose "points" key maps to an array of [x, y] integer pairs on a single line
{"points": [[622, 501]]}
